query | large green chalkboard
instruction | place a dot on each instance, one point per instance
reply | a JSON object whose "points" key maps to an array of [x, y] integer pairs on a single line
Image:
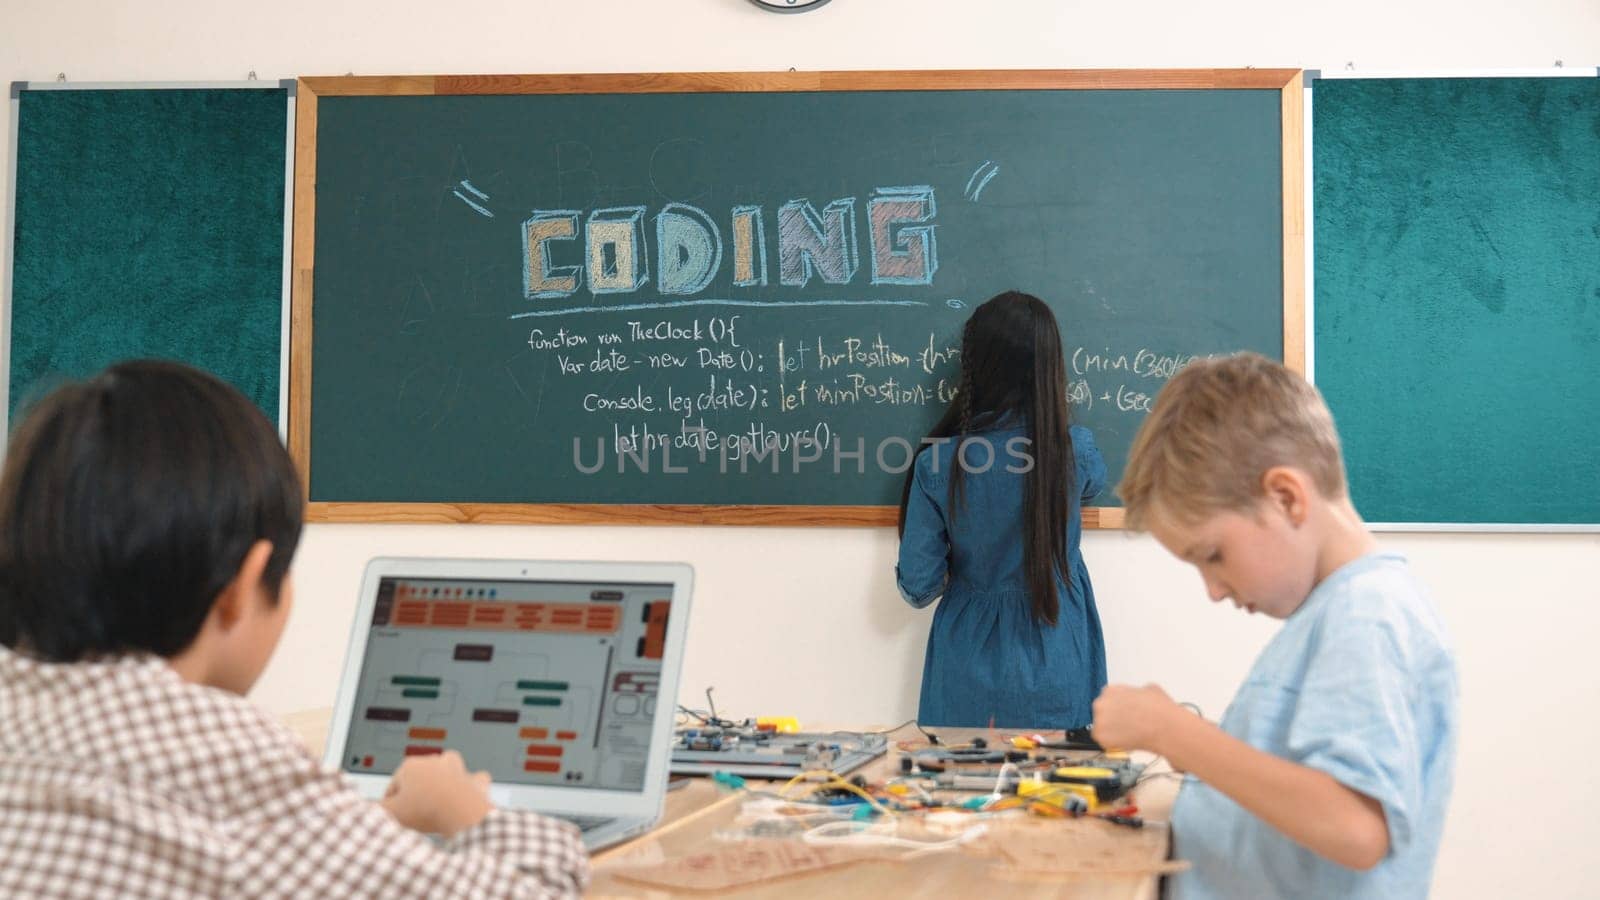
{"points": [[1457, 295], [149, 222], [448, 366]]}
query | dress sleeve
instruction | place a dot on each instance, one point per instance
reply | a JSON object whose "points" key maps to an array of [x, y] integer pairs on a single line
{"points": [[924, 562], [1091, 467]]}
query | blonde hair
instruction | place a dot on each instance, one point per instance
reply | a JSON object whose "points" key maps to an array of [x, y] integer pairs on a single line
{"points": [[1216, 428]]}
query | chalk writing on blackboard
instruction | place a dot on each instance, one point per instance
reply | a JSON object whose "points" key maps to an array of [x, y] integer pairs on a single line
{"points": [[480, 195], [812, 244], [675, 385]]}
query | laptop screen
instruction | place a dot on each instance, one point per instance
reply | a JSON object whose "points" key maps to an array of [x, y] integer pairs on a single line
{"points": [[537, 682]]}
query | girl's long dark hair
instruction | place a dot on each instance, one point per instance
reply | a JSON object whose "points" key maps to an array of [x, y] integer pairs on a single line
{"points": [[1011, 366]]}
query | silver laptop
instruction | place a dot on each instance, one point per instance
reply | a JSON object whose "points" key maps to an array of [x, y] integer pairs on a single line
{"points": [[558, 678]]}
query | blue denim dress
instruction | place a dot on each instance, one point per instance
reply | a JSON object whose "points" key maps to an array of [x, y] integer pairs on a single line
{"points": [[987, 659]]}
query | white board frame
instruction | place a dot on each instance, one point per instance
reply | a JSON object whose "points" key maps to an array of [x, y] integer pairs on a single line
{"points": [[1311, 77], [11, 204]]}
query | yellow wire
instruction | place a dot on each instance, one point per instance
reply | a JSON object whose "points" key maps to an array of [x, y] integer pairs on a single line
{"points": [[834, 781]]}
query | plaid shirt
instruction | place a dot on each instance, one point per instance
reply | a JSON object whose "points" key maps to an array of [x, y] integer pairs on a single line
{"points": [[118, 778]]}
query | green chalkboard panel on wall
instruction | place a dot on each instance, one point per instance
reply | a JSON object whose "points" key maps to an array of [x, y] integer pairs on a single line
{"points": [[149, 222], [739, 297], [1457, 295]]}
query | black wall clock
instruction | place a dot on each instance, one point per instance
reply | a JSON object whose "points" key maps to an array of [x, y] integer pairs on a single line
{"points": [[788, 6]]}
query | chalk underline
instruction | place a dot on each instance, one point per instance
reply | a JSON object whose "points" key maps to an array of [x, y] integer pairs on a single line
{"points": [[675, 303]]}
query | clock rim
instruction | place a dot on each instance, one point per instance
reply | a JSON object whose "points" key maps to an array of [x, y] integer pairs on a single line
{"points": [[808, 6]]}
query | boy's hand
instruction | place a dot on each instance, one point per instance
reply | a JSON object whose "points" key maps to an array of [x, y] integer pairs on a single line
{"points": [[1134, 718], [437, 795]]}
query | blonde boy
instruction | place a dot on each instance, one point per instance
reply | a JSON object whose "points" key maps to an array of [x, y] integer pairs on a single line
{"points": [[1329, 774]]}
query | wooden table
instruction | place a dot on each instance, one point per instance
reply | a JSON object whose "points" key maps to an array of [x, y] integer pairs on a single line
{"points": [[695, 815]]}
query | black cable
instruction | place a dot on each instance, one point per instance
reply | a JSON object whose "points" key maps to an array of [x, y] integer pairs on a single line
{"points": [[708, 721], [885, 731]]}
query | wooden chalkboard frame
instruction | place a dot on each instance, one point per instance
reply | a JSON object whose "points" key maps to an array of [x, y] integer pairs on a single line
{"points": [[1289, 82]]}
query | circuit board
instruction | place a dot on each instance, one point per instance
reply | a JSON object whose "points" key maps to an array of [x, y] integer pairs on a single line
{"points": [[756, 753]]}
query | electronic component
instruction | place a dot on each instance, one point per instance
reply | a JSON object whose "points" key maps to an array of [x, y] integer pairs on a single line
{"points": [[1106, 782], [755, 752]]}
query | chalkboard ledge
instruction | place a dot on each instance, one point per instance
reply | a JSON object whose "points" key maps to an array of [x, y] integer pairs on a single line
{"points": [[630, 514]]}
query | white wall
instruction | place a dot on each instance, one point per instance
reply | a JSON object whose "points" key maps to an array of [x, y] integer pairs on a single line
{"points": [[806, 621]]}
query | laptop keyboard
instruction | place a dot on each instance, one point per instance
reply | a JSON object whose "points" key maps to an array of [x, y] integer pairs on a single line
{"points": [[586, 823]]}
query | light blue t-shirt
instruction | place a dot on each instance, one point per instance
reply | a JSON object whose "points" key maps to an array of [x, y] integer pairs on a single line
{"points": [[1360, 683]]}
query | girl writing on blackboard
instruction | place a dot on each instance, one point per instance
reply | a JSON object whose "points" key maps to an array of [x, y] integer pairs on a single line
{"points": [[989, 522]]}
